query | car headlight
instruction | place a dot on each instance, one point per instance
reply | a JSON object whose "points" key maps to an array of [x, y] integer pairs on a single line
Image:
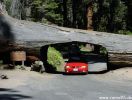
{"points": [[83, 66], [67, 66]]}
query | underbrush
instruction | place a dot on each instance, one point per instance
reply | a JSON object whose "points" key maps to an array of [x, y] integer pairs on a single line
{"points": [[55, 59]]}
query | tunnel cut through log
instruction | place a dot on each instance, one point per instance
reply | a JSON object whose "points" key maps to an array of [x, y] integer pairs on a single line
{"points": [[95, 50]]}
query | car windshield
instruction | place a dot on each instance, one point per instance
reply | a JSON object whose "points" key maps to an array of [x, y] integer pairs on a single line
{"points": [[76, 59]]}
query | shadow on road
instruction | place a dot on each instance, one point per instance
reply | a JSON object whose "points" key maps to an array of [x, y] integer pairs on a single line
{"points": [[11, 95], [9, 90], [89, 72], [55, 72], [98, 72]]}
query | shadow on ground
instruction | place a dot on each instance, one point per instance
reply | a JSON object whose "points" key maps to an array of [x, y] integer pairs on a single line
{"points": [[98, 72], [10, 94], [90, 72]]}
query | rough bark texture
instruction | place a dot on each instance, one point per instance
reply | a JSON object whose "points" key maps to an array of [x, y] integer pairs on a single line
{"points": [[120, 59]]}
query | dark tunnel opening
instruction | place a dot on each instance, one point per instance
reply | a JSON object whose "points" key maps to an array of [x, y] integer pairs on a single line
{"points": [[94, 55]]}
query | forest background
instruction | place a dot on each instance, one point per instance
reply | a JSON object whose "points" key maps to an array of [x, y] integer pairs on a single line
{"points": [[113, 16]]}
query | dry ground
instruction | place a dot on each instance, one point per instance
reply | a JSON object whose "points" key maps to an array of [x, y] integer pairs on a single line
{"points": [[29, 85], [19, 77]]}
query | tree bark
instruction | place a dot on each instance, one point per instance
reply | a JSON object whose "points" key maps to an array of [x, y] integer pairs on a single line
{"points": [[74, 8], [116, 60], [130, 15], [65, 13]]}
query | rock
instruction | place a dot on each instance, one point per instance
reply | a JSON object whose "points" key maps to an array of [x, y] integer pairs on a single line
{"points": [[38, 66], [3, 77]]}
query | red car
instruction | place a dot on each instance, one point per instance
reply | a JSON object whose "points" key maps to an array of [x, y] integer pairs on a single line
{"points": [[76, 63], [76, 67]]}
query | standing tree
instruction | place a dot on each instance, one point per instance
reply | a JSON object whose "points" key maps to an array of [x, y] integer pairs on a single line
{"points": [[53, 11], [129, 21], [118, 12], [65, 15], [110, 16]]}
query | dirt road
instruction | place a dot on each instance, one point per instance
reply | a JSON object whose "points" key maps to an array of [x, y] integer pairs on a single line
{"points": [[26, 85]]}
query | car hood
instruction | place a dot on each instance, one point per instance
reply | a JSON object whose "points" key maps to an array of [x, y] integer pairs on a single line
{"points": [[76, 64]]}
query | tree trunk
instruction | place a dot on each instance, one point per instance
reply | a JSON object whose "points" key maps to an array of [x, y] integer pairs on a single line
{"points": [[65, 13], [130, 15], [74, 8], [90, 16], [116, 60]]}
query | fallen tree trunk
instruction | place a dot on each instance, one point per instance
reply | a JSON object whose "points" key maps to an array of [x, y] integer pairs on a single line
{"points": [[25, 34], [116, 60]]}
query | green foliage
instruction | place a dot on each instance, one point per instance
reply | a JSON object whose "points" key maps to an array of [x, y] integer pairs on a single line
{"points": [[52, 12], [55, 58], [119, 16], [47, 10], [1, 62], [124, 32], [36, 11], [128, 32], [8, 5], [103, 51], [101, 15], [110, 15]]}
